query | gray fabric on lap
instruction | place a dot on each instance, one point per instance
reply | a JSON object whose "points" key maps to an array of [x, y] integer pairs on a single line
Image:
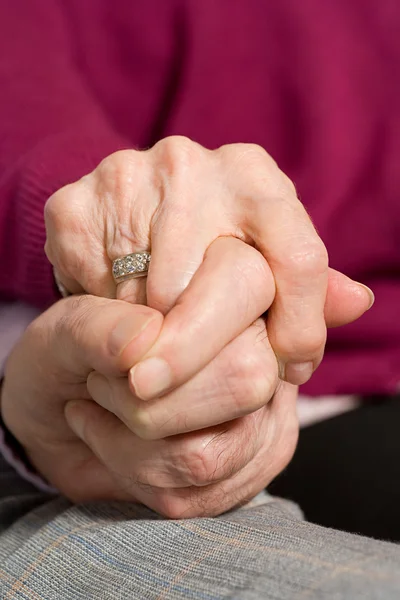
{"points": [[50, 549]]}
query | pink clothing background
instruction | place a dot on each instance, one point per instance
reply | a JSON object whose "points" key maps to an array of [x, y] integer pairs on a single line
{"points": [[315, 83]]}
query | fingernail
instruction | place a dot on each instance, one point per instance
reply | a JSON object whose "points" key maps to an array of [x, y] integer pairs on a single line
{"points": [[298, 373], [369, 292], [126, 330], [76, 422], [151, 378]]}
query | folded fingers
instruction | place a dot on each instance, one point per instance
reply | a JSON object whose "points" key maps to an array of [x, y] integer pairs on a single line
{"points": [[196, 459], [241, 379], [201, 474], [231, 289]]}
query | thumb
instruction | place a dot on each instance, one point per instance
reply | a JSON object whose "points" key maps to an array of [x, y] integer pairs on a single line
{"points": [[100, 334], [346, 300]]}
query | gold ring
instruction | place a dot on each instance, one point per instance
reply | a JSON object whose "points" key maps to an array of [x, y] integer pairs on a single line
{"points": [[131, 266]]}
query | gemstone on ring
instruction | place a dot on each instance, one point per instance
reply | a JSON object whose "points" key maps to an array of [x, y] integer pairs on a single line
{"points": [[130, 266]]}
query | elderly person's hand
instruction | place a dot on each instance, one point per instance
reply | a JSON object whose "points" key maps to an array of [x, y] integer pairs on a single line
{"points": [[230, 429], [45, 400], [175, 200]]}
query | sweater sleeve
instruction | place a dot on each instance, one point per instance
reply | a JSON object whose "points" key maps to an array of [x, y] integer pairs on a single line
{"points": [[52, 132]]}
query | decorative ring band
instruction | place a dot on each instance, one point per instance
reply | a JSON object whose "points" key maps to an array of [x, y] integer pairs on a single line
{"points": [[131, 266]]}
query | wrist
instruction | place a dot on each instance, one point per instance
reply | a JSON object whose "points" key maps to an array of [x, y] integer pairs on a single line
{"points": [[15, 455]]}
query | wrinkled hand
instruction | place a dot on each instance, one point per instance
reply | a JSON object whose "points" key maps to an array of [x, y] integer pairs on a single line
{"points": [[176, 199], [206, 446], [45, 400]]}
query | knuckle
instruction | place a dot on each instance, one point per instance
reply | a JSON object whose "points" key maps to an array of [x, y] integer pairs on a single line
{"points": [[257, 176], [249, 383], [288, 184], [53, 204], [179, 152], [202, 462], [118, 167], [257, 160], [117, 181], [308, 344], [56, 208], [172, 506], [197, 467], [309, 258], [256, 154], [250, 266], [312, 341], [65, 210], [66, 227], [247, 153]]}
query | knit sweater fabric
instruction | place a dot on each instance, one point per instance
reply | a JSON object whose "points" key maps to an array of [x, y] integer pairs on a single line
{"points": [[315, 83]]}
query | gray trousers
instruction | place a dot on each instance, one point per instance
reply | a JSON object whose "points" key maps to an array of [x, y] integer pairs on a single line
{"points": [[50, 549]]}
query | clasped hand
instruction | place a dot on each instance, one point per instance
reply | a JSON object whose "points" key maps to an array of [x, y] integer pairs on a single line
{"points": [[186, 404]]}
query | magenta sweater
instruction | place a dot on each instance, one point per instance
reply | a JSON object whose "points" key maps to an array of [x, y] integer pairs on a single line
{"points": [[316, 83]]}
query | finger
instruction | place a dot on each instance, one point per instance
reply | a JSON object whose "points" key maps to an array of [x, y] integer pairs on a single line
{"points": [[103, 334], [177, 253], [238, 381], [276, 425], [124, 184], [67, 286], [279, 442], [78, 474], [283, 232], [203, 321], [296, 323], [183, 227], [346, 300], [196, 459], [133, 291], [103, 216], [73, 245]]}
